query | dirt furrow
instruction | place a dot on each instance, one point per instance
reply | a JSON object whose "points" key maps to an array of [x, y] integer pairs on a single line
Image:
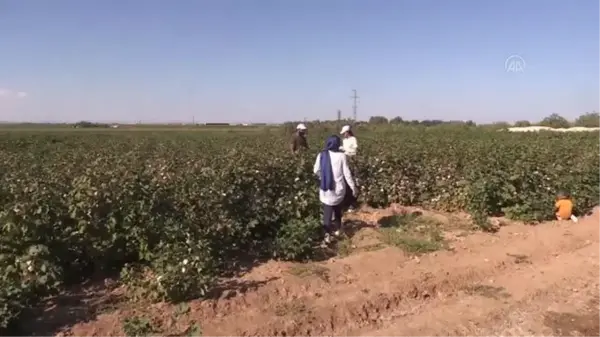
{"points": [[366, 290], [522, 302]]}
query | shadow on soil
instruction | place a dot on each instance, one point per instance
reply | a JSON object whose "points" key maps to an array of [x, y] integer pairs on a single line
{"points": [[352, 227], [570, 324], [232, 288], [85, 304], [342, 246], [66, 309], [399, 220]]}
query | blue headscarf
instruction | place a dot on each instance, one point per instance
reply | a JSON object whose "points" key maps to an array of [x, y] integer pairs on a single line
{"points": [[332, 144]]}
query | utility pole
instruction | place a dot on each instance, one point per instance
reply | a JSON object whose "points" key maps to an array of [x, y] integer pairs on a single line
{"points": [[339, 115], [354, 98]]}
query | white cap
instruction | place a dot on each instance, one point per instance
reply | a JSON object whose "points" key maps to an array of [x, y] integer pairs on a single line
{"points": [[301, 126], [345, 129]]}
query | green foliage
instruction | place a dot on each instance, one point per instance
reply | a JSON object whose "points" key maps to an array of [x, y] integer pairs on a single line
{"points": [[87, 202], [297, 239], [25, 275], [140, 326], [185, 271], [413, 233], [137, 326]]}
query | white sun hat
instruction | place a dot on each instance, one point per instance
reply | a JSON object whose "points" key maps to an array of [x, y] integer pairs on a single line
{"points": [[301, 126], [345, 129]]}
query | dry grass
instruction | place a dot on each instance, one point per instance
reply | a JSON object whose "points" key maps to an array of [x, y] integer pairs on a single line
{"points": [[304, 270], [415, 234]]}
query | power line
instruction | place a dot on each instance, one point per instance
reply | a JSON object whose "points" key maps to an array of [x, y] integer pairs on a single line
{"points": [[354, 98]]}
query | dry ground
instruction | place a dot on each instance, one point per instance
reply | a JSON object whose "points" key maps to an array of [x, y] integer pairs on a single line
{"points": [[522, 280]]}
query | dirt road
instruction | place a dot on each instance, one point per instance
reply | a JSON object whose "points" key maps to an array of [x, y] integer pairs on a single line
{"points": [[523, 280]]}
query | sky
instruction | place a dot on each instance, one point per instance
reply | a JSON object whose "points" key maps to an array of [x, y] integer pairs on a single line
{"points": [[243, 61]]}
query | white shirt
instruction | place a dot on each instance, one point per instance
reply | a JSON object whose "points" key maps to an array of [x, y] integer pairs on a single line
{"points": [[349, 146], [341, 172]]}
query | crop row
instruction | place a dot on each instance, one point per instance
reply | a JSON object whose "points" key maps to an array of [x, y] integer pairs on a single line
{"points": [[174, 211]]}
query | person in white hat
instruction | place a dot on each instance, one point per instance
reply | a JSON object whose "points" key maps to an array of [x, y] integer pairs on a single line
{"points": [[349, 147], [299, 141], [349, 144]]}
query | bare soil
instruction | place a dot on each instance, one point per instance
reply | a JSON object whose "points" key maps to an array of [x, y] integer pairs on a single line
{"points": [[522, 280]]}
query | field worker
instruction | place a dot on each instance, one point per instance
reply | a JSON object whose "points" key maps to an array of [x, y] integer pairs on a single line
{"points": [[299, 142], [349, 145], [332, 168], [564, 207]]}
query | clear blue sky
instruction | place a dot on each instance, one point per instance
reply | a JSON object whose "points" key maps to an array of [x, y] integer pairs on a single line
{"points": [[278, 60]]}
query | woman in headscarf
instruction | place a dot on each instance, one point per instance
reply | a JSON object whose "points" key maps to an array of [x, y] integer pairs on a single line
{"points": [[332, 168]]}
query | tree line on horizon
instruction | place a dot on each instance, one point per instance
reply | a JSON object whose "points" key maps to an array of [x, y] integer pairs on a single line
{"points": [[588, 119]]}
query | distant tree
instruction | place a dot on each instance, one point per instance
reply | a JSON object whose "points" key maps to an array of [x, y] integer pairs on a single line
{"points": [[414, 122], [86, 124], [397, 120], [555, 121], [588, 120], [378, 120], [499, 125], [470, 123], [521, 124], [434, 122]]}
